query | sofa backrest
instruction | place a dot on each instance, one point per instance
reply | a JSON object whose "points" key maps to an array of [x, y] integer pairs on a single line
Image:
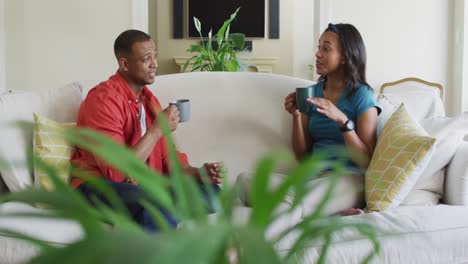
{"points": [[236, 118], [421, 100], [16, 142]]}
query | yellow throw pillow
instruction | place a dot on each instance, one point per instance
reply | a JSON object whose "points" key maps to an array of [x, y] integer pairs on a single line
{"points": [[50, 146], [402, 153]]}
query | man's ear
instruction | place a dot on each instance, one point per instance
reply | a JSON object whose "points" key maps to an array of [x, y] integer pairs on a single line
{"points": [[123, 63]]}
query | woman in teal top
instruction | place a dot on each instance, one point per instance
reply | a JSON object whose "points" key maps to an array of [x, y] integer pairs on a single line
{"points": [[325, 132], [345, 111]]}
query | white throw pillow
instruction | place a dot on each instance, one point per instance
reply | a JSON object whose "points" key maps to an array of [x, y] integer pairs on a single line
{"points": [[429, 187], [456, 183], [449, 133], [60, 104], [442, 126], [388, 107], [420, 104]]}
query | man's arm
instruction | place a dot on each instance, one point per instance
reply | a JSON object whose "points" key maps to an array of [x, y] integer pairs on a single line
{"points": [[146, 144], [214, 171]]}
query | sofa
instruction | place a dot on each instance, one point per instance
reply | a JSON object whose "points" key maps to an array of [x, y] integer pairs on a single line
{"points": [[237, 118]]}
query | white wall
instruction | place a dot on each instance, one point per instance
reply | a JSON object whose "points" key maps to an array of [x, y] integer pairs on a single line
{"points": [[140, 15], [304, 45], [458, 57], [461, 45], [2, 47], [464, 86], [403, 38], [54, 42], [160, 27]]}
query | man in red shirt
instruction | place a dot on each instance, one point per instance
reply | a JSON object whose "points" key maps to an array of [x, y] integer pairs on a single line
{"points": [[124, 109]]}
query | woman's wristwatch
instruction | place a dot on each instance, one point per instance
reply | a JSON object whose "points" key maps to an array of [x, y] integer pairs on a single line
{"points": [[348, 126]]}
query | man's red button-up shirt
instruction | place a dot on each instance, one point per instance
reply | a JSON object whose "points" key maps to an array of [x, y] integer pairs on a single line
{"points": [[112, 108]]}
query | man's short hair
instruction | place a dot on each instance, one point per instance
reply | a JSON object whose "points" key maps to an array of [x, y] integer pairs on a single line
{"points": [[124, 42]]}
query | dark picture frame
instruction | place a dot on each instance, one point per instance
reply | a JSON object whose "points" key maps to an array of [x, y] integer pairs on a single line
{"points": [[179, 11]]}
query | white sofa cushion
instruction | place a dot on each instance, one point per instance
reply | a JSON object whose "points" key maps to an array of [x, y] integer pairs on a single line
{"points": [[407, 234], [421, 104], [60, 104], [55, 231], [449, 132], [236, 117], [456, 182]]}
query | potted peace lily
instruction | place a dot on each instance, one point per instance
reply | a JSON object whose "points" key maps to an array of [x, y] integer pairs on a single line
{"points": [[111, 236], [221, 58]]}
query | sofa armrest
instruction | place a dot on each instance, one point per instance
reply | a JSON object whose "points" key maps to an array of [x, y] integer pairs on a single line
{"points": [[456, 178]]}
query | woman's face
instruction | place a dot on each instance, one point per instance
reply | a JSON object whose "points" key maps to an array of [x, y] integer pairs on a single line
{"points": [[329, 57]]}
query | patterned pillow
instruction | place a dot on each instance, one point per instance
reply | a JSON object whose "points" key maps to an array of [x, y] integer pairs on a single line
{"points": [[50, 146], [402, 153]]}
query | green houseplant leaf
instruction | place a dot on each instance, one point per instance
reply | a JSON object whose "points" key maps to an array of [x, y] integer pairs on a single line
{"points": [[199, 238], [238, 40], [221, 58]]}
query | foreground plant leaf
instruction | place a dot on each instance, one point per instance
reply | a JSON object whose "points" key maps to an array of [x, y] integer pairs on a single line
{"points": [[111, 236]]}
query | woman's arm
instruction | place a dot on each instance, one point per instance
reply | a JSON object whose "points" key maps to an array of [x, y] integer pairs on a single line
{"points": [[362, 141], [300, 132], [300, 136]]}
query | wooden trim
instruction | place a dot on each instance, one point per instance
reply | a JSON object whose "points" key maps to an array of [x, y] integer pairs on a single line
{"points": [[413, 79]]}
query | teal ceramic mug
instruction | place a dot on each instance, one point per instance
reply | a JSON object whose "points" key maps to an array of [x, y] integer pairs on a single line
{"points": [[302, 93]]}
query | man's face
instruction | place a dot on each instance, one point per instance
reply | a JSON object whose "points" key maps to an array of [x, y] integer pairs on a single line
{"points": [[142, 64]]}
